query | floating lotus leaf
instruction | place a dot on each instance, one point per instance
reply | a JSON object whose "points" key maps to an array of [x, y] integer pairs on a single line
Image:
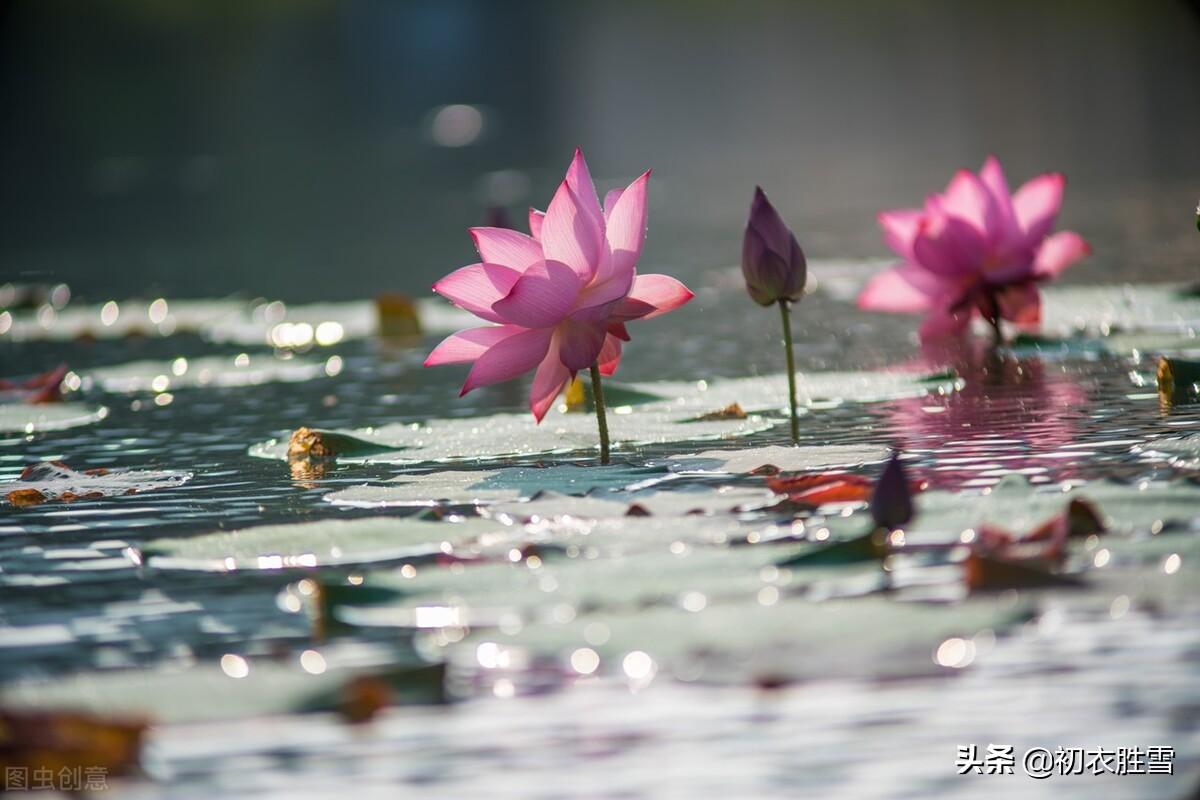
{"points": [[485, 486], [216, 371], [327, 542], [26, 418]]}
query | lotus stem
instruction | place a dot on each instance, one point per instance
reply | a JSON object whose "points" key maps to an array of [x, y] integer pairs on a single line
{"points": [[785, 315], [997, 333], [993, 318], [601, 419]]}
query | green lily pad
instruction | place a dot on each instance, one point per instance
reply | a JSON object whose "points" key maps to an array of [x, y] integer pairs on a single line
{"points": [[1162, 308], [355, 319], [723, 500], [1183, 451], [481, 439], [26, 418], [477, 487], [1014, 504], [786, 459], [119, 320], [213, 691], [223, 321], [329, 542], [676, 417], [813, 389], [728, 610], [216, 371]]}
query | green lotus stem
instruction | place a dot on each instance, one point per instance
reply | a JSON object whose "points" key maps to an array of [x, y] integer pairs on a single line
{"points": [[785, 315], [601, 419]]}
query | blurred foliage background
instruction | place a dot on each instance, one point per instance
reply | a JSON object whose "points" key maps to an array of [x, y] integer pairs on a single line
{"points": [[311, 149]]}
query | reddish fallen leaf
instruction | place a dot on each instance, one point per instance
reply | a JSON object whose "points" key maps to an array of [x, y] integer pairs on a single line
{"points": [[829, 487], [1001, 559], [56, 741], [45, 387], [55, 481], [363, 697], [25, 497], [731, 411]]}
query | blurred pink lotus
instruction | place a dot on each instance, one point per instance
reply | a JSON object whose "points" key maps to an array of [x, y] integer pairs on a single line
{"points": [[973, 248], [560, 298]]}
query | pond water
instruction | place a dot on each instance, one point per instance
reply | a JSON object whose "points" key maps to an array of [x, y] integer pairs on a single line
{"points": [[721, 675]]}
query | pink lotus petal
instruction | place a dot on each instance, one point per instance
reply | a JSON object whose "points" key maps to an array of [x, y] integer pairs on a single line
{"points": [[949, 246], [571, 235], [619, 330], [625, 231], [610, 200], [651, 296], [1059, 252], [506, 247], [593, 300], [899, 229], [476, 287], [508, 358], [1021, 304], [905, 288], [610, 355], [1036, 205], [548, 383], [580, 181], [968, 199], [542, 297], [535, 223], [470, 344], [579, 344], [992, 175]]}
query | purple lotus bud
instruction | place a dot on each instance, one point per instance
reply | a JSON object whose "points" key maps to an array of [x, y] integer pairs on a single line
{"points": [[772, 262], [497, 217], [891, 502]]}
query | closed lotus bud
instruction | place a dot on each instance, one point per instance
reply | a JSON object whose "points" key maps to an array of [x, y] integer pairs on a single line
{"points": [[891, 502], [772, 262]]}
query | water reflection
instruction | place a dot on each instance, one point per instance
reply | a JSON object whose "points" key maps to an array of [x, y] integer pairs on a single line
{"points": [[1011, 416]]}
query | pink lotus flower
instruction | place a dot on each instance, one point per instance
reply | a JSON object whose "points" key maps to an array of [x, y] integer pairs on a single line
{"points": [[975, 248], [559, 298]]}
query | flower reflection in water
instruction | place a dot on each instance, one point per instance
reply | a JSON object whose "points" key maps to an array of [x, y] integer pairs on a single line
{"points": [[1012, 415]]}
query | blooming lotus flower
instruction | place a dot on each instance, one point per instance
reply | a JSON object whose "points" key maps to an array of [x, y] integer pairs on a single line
{"points": [[973, 248], [558, 300], [772, 262]]}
